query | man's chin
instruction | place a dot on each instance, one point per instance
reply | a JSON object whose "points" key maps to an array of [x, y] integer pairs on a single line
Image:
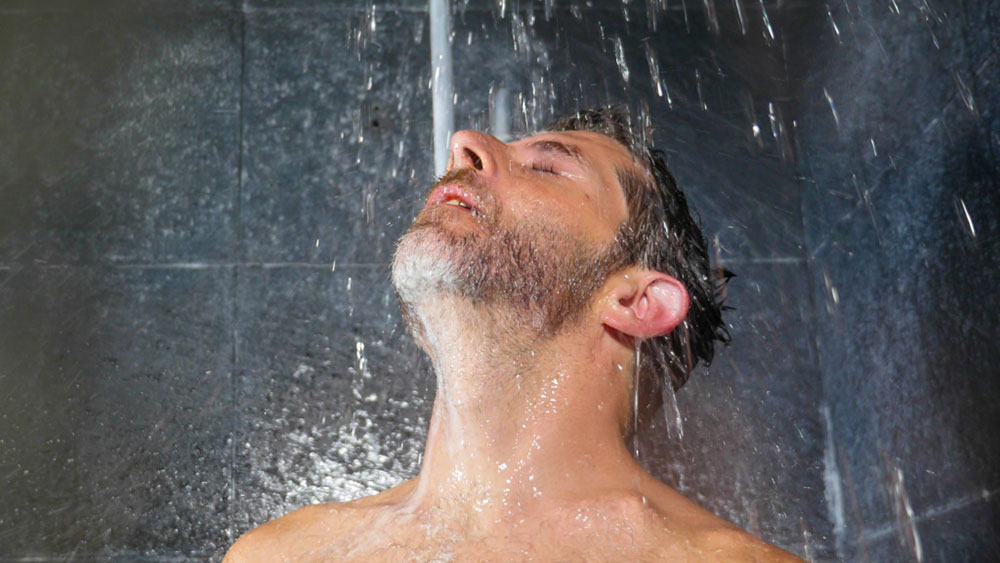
{"points": [[424, 263]]}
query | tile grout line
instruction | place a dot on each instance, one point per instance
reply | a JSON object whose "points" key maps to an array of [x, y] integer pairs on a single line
{"points": [[932, 512], [764, 260]]}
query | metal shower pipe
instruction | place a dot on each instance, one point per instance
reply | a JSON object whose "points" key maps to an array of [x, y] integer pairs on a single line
{"points": [[442, 88]]}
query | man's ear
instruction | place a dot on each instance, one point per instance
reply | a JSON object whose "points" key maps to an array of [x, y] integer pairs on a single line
{"points": [[645, 304]]}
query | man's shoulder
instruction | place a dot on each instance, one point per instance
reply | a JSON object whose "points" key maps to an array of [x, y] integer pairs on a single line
{"points": [[706, 532], [282, 537], [729, 543], [306, 530]]}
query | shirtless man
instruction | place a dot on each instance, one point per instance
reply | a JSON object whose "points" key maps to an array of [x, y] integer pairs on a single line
{"points": [[529, 277]]}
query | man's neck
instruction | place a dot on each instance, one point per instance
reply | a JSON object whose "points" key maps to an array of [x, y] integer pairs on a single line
{"points": [[518, 419]]}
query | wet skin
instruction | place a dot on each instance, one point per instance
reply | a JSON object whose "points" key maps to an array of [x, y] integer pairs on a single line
{"points": [[525, 457]]}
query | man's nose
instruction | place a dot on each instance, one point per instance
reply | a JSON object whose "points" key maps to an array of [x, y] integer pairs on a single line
{"points": [[475, 150]]}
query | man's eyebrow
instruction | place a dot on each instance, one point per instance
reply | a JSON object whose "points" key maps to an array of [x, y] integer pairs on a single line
{"points": [[548, 145]]}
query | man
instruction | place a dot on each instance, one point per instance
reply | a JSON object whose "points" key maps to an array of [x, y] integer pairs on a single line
{"points": [[532, 278]]}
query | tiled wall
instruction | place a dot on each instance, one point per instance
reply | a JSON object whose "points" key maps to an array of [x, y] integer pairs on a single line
{"points": [[901, 152], [200, 200]]}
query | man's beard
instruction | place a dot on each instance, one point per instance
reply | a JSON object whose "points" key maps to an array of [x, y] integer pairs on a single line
{"points": [[538, 275]]}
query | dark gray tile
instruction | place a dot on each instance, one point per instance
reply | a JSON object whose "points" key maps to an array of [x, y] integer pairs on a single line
{"points": [[337, 141], [752, 449], [883, 546], [117, 411], [888, 78], [117, 5], [333, 396], [964, 530], [905, 251], [337, 5], [119, 137], [904, 337]]}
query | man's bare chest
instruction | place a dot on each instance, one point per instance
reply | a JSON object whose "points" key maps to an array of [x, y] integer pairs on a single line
{"points": [[557, 537]]}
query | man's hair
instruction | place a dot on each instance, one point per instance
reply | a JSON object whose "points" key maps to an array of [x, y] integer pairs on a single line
{"points": [[660, 234]]}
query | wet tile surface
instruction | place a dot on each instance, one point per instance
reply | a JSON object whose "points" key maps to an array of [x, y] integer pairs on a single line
{"points": [[333, 396], [117, 410], [337, 141], [388, 6], [891, 110], [126, 128], [14, 6], [903, 258]]}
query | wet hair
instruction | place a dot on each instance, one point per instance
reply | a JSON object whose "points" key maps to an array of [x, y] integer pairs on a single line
{"points": [[660, 234]]}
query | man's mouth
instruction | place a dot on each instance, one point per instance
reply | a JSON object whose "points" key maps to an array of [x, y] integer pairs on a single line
{"points": [[450, 194]]}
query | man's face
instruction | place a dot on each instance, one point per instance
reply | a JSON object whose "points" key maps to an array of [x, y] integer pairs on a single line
{"points": [[530, 225]]}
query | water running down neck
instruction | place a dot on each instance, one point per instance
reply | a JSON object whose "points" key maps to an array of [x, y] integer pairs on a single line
{"points": [[636, 375]]}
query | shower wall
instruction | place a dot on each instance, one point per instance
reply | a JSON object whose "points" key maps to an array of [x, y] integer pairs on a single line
{"points": [[900, 151], [200, 202]]}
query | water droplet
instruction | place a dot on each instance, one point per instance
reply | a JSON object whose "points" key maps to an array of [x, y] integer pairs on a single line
{"points": [[833, 25], [713, 18], [833, 108], [906, 524], [701, 96], [965, 93], [769, 35], [741, 16], [620, 58], [636, 375], [654, 72], [964, 218]]}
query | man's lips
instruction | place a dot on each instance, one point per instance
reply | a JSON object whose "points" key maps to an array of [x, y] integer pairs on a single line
{"points": [[451, 194]]}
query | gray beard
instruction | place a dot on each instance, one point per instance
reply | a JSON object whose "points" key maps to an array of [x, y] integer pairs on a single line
{"points": [[541, 272]]}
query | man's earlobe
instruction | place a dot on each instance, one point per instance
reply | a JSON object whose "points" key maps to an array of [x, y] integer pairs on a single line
{"points": [[653, 304]]}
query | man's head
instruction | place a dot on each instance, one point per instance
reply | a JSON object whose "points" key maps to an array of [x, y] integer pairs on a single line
{"points": [[528, 226], [537, 226]]}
